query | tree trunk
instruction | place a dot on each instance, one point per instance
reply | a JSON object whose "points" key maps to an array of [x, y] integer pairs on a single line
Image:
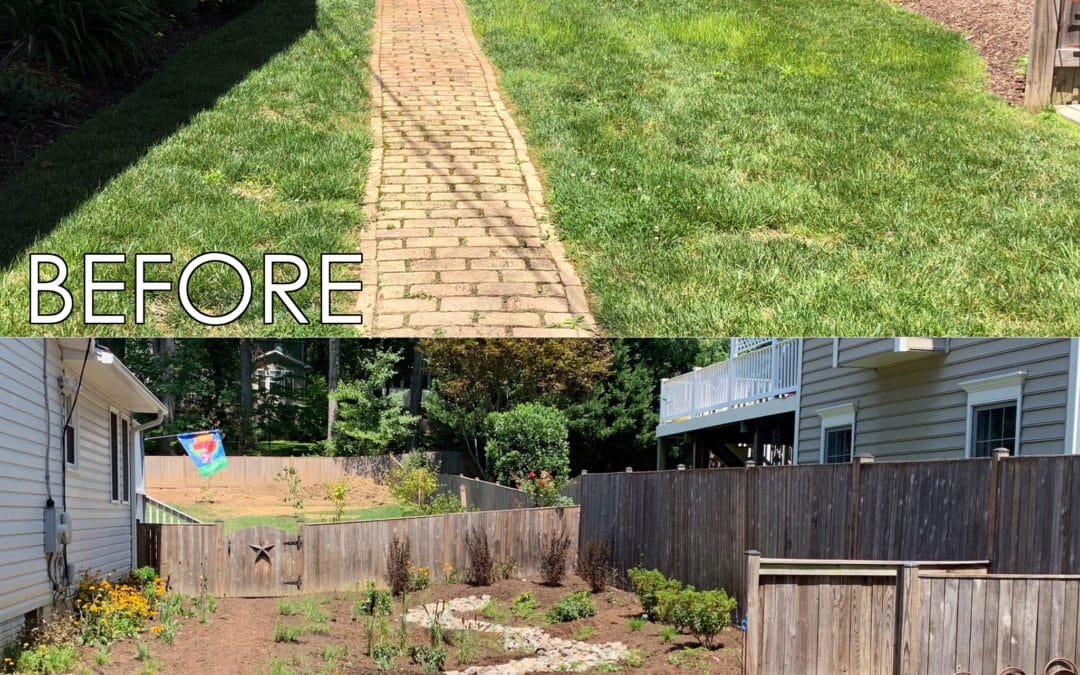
{"points": [[165, 347], [416, 394], [332, 368], [247, 406]]}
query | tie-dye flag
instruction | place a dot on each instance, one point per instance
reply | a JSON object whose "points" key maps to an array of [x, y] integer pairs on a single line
{"points": [[205, 449]]}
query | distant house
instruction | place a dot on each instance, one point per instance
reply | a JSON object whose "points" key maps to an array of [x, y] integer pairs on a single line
{"points": [[810, 400], [69, 444], [279, 368]]}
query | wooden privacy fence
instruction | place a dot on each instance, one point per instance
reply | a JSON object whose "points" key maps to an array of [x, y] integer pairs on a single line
{"points": [[339, 556], [1053, 70], [695, 525], [483, 495], [833, 616]]}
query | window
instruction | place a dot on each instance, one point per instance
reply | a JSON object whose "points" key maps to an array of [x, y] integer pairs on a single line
{"points": [[838, 443], [993, 413], [120, 447], [837, 433], [126, 439], [994, 427], [114, 448]]}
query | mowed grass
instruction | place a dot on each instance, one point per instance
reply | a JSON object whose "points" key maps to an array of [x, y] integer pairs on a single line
{"points": [[208, 513], [735, 167], [254, 139]]}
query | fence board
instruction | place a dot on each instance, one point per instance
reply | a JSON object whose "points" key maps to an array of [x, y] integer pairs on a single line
{"points": [[483, 495]]}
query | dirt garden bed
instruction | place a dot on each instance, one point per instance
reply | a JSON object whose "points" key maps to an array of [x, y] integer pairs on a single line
{"points": [[998, 29], [239, 637]]}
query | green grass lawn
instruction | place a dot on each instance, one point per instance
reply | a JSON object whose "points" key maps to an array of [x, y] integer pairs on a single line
{"points": [[253, 139], [739, 167], [208, 513]]}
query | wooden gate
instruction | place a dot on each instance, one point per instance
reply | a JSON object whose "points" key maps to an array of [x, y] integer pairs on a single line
{"points": [[264, 562]]}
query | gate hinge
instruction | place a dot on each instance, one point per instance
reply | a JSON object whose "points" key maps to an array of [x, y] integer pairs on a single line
{"points": [[298, 543], [298, 582]]}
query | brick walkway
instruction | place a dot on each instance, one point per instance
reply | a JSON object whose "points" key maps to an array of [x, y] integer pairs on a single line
{"points": [[459, 242]]}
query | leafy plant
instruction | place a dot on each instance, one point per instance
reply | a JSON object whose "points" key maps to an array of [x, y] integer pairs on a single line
{"points": [[647, 584], [376, 602], [523, 606], [336, 493], [553, 559], [419, 578], [480, 571], [369, 423], [492, 612], [571, 607], [94, 38], [291, 478], [397, 566], [384, 654], [544, 487], [431, 659], [47, 659], [583, 632], [703, 614], [594, 564], [504, 568], [527, 438]]}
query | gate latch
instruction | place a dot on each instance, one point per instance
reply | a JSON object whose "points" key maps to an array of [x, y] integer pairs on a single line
{"points": [[298, 543], [298, 582]]}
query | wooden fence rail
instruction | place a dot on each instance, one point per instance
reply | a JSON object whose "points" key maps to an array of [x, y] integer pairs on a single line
{"points": [[339, 556], [835, 616], [1053, 69], [694, 525]]}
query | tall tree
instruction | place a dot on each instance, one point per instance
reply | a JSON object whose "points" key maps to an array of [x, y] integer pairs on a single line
{"points": [[332, 369], [247, 406], [164, 348]]}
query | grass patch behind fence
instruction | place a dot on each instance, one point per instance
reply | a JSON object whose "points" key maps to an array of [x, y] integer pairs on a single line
{"points": [[253, 139], [735, 167], [208, 513]]}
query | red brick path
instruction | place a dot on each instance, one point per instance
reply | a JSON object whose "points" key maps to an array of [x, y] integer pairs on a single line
{"points": [[459, 241]]}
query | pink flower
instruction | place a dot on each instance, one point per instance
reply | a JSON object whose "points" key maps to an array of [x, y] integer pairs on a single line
{"points": [[532, 474]]}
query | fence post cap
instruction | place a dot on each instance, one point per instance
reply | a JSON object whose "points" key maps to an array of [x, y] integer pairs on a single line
{"points": [[681, 467], [1001, 452], [910, 564], [629, 469], [864, 458], [753, 552], [750, 462], [584, 472]]}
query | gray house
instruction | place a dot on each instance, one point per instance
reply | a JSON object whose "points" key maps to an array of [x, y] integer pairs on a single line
{"points": [[810, 400], [70, 462]]}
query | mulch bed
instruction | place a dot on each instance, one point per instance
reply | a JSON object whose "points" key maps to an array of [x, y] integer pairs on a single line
{"points": [[19, 143], [239, 637], [998, 29]]}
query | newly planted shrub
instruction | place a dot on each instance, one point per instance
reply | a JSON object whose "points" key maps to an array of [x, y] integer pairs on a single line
{"points": [[571, 607], [431, 659], [504, 568], [594, 565], [419, 578], [647, 583], [397, 566], [553, 560], [523, 606], [528, 437], [481, 565], [375, 602], [336, 493], [703, 614]]}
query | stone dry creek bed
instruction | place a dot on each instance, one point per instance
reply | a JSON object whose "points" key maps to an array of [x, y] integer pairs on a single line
{"points": [[551, 653]]}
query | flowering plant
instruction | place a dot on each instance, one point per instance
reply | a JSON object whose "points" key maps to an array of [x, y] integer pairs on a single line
{"points": [[544, 487]]}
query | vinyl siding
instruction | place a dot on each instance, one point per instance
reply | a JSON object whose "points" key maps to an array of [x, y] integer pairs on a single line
{"points": [[917, 410], [101, 537]]}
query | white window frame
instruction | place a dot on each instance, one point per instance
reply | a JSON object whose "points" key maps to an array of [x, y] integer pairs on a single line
{"points": [[71, 411], [117, 482], [836, 417], [996, 389]]}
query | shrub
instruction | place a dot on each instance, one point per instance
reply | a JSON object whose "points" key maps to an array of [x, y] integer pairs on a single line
{"points": [[571, 607], [369, 423], [376, 602], [647, 583], [504, 568], [89, 38], [636, 623], [419, 579], [431, 659], [397, 566], [481, 565], [703, 614], [336, 493], [553, 560], [544, 487], [413, 483], [594, 565], [384, 654], [527, 438], [523, 606]]}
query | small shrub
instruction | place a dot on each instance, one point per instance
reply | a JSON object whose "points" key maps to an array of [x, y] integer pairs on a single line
{"points": [[504, 568], [336, 492], [376, 602], [527, 438], [397, 566], [419, 579], [634, 658], [523, 606], [571, 607], [47, 659], [285, 633], [553, 560], [647, 584], [431, 659], [291, 478], [703, 614], [384, 654], [492, 612], [594, 565], [481, 566], [582, 633], [636, 624]]}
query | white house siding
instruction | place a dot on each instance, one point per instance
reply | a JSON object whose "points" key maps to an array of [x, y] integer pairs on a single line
{"points": [[101, 534], [24, 583], [917, 410]]}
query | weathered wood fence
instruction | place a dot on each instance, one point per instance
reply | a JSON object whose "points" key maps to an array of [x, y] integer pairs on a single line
{"points": [[338, 556], [1053, 70], [905, 618], [695, 525], [483, 495]]}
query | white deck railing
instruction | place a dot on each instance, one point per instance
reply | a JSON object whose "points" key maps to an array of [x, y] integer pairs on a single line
{"points": [[160, 512], [759, 375]]}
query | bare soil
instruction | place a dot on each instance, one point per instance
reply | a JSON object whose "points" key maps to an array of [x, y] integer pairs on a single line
{"points": [[270, 499], [239, 637], [998, 29]]}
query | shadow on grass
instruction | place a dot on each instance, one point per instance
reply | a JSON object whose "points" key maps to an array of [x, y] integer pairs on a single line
{"points": [[36, 199]]}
